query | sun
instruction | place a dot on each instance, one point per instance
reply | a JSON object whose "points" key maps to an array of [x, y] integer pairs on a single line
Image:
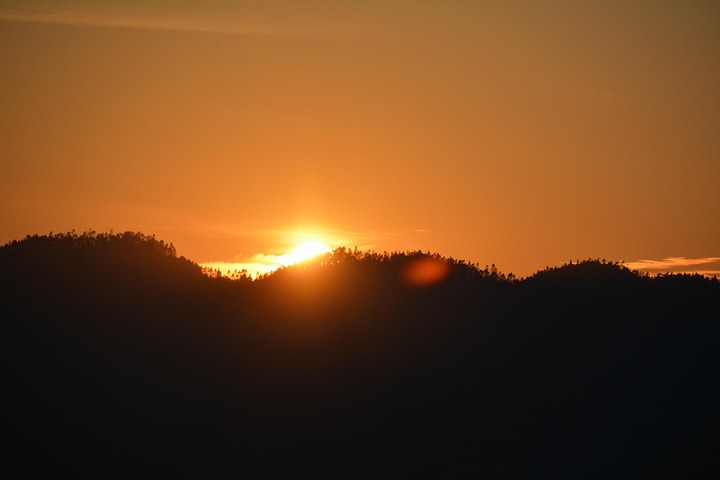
{"points": [[305, 251]]}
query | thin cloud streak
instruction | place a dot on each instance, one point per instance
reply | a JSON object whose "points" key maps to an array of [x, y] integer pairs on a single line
{"points": [[709, 273], [256, 265], [90, 18], [708, 266], [261, 263], [253, 270]]}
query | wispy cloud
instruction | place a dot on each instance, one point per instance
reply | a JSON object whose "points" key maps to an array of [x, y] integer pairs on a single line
{"points": [[704, 266], [285, 240], [102, 18], [255, 265]]}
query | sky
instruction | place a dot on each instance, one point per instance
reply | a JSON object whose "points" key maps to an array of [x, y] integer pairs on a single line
{"points": [[524, 134]]}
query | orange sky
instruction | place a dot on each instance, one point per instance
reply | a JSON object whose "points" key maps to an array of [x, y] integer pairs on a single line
{"points": [[523, 134]]}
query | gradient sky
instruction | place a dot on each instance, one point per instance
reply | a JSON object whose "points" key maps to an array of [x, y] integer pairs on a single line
{"points": [[523, 134]]}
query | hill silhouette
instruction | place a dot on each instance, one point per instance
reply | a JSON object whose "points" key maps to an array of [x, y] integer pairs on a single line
{"points": [[122, 360]]}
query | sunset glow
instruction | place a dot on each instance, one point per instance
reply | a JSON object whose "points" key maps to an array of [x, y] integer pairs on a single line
{"points": [[306, 251], [261, 264], [360, 238], [516, 133]]}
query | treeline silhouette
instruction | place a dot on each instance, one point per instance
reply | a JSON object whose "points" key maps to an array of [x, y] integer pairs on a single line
{"points": [[122, 360]]}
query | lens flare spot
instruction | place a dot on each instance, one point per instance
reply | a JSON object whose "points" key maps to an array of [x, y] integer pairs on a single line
{"points": [[426, 271]]}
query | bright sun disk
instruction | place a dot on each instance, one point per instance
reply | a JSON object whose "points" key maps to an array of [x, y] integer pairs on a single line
{"points": [[305, 251]]}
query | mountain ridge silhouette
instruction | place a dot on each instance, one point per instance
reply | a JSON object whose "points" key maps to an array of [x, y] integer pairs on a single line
{"points": [[121, 359]]}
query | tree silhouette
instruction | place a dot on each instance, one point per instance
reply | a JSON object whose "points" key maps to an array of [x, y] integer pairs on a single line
{"points": [[121, 359]]}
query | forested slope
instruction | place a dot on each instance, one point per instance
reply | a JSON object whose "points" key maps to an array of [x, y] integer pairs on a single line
{"points": [[120, 359]]}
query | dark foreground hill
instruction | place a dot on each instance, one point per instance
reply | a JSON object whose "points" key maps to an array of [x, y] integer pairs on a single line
{"points": [[122, 360]]}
